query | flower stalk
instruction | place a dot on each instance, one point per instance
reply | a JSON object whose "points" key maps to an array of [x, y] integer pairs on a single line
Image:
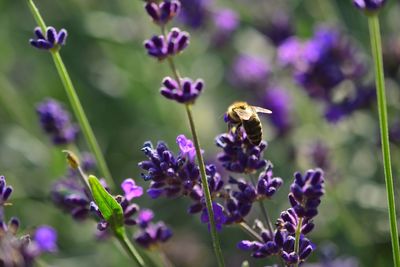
{"points": [[297, 238], [376, 47], [74, 99]]}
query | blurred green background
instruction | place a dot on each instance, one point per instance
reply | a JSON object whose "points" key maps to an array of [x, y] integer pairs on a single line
{"points": [[118, 85]]}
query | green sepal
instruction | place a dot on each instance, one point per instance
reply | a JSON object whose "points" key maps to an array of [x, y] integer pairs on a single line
{"points": [[110, 209]]}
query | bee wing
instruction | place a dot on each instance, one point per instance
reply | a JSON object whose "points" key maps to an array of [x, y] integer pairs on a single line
{"points": [[261, 110], [244, 114]]}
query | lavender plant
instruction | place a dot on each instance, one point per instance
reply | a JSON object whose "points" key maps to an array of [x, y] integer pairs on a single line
{"points": [[48, 39], [23, 250]]}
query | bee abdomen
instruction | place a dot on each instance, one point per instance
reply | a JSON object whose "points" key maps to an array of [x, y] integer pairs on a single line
{"points": [[253, 130]]}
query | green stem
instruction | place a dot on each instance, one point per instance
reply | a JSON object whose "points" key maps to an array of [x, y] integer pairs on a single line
{"points": [[206, 189], [376, 46], [131, 250], [246, 228], [74, 101], [297, 238]]}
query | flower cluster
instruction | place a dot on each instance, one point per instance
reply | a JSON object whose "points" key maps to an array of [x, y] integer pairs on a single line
{"points": [[280, 101], [55, 121], [161, 47], [150, 234], [239, 155], [321, 64], [49, 40], [187, 94], [70, 195], [169, 45], [279, 29], [163, 12], [293, 224], [21, 251]]}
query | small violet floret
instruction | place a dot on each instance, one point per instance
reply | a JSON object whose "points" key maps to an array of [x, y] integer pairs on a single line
{"points": [[130, 189], [46, 238], [186, 147], [51, 40], [219, 216], [163, 12]]}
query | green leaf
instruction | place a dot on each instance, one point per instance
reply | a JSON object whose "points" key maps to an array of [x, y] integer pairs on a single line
{"points": [[108, 206]]}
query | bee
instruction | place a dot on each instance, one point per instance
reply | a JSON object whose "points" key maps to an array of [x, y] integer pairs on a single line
{"points": [[241, 113]]}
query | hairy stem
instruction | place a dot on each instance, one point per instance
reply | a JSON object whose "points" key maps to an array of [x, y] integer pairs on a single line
{"points": [[74, 101], [376, 47], [246, 228]]}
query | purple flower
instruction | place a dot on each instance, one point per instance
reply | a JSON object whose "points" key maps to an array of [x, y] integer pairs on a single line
{"points": [[163, 12], [130, 189], [279, 100], [52, 40], [194, 13], [369, 5], [239, 155], [226, 20], [5, 191], [219, 216], [249, 72], [145, 217], [161, 47], [279, 29], [305, 193], [153, 234], [56, 122], [267, 185], [46, 238], [186, 147], [186, 91]]}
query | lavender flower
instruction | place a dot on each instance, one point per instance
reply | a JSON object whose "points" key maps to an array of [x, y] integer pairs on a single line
{"points": [[131, 189], [194, 13], [145, 217], [369, 5], [163, 12], [185, 92], [226, 22], [249, 72], [219, 216], [56, 122], [46, 238], [279, 29], [52, 40], [153, 234], [5, 191], [186, 147], [267, 185], [162, 47], [239, 155], [279, 100], [306, 192]]}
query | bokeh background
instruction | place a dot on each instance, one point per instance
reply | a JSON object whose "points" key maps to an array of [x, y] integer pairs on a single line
{"points": [[118, 85]]}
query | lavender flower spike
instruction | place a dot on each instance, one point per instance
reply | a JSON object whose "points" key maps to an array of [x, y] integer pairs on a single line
{"points": [[56, 122], [185, 92], [51, 40], [165, 11]]}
